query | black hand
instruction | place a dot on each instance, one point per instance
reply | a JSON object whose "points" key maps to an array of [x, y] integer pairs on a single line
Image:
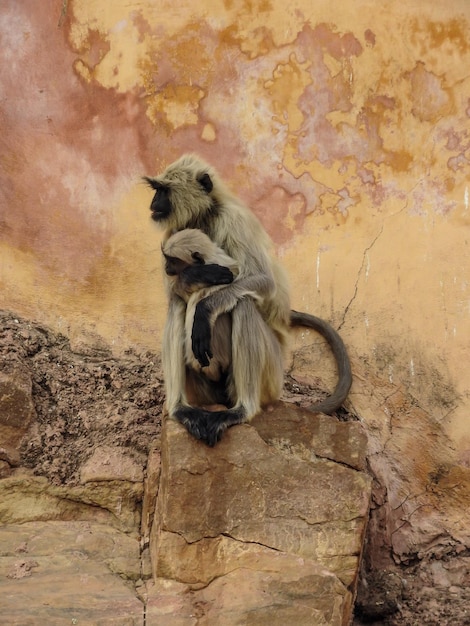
{"points": [[201, 335], [211, 274]]}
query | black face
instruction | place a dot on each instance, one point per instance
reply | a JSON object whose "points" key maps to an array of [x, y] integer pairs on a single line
{"points": [[174, 266], [160, 205]]}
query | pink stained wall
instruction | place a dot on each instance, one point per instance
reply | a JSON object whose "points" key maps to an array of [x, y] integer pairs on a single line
{"points": [[348, 133]]}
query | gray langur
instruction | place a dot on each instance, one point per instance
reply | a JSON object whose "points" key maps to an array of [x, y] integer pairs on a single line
{"points": [[190, 194], [185, 249]]}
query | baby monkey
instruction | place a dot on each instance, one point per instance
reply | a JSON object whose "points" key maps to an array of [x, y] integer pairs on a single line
{"points": [[185, 252]]}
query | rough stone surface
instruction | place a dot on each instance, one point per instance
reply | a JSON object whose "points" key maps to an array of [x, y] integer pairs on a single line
{"points": [[93, 410], [289, 590], [74, 416], [151, 485], [110, 463], [239, 519], [68, 573], [256, 493], [311, 436], [16, 409], [25, 497]]}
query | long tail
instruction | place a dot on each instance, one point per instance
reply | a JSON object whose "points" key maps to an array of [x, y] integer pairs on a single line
{"points": [[338, 348]]}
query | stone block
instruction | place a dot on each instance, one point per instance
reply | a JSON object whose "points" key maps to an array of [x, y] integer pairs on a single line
{"points": [[267, 526], [25, 498], [68, 573]]}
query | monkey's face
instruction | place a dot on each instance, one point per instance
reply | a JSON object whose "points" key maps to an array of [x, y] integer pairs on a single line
{"points": [[182, 196], [175, 266], [160, 206]]}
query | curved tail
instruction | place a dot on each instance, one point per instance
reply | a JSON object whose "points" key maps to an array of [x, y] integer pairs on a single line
{"points": [[338, 348]]}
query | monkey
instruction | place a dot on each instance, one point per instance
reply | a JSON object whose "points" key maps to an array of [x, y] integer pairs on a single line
{"points": [[188, 248], [192, 247], [190, 194]]}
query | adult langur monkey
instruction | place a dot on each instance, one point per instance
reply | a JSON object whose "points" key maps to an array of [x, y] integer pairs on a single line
{"points": [[183, 250], [190, 194]]}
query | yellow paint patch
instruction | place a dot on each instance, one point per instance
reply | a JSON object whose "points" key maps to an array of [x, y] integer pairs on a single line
{"points": [[284, 90], [176, 105], [209, 133]]}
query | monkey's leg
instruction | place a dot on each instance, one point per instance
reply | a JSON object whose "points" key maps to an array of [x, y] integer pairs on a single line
{"points": [[173, 364], [202, 391], [201, 423], [257, 361], [256, 374]]}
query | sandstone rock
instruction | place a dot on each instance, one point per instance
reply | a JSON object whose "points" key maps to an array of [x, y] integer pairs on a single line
{"points": [[5, 469], [170, 603], [313, 434], [253, 492], [288, 590], [25, 497], [112, 463], [200, 562], [119, 551], [151, 484], [261, 532], [62, 573], [86, 342], [16, 407]]}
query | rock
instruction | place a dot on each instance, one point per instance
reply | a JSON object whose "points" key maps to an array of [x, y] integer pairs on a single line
{"points": [[307, 434], [68, 572], [288, 590], [151, 485], [111, 463], [379, 595], [5, 469], [16, 409], [25, 497], [247, 523], [89, 343], [170, 603]]}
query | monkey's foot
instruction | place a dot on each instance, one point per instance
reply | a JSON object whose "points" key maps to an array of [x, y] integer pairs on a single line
{"points": [[208, 426]]}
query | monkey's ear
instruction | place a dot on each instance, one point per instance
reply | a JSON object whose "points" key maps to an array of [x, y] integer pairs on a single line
{"points": [[205, 181], [198, 258]]}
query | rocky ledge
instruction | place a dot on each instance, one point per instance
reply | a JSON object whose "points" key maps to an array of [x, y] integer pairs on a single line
{"points": [[104, 521], [267, 527]]}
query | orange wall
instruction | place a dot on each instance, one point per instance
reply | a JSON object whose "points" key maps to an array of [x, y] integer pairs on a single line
{"points": [[346, 130]]}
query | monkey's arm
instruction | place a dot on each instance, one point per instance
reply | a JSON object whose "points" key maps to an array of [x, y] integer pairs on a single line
{"points": [[199, 276], [340, 353], [223, 301]]}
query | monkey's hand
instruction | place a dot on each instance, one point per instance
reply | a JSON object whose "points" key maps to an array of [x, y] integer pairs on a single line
{"points": [[206, 275], [202, 335]]}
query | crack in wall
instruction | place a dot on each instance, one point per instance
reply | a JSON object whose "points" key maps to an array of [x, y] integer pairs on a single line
{"points": [[359, 274], [365, 263]]}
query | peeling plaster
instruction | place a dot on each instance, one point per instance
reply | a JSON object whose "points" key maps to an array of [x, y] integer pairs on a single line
{"points": [[346, 132]]}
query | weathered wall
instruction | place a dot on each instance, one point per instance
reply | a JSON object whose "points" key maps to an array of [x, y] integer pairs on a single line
{"points": [[348, 132]]}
